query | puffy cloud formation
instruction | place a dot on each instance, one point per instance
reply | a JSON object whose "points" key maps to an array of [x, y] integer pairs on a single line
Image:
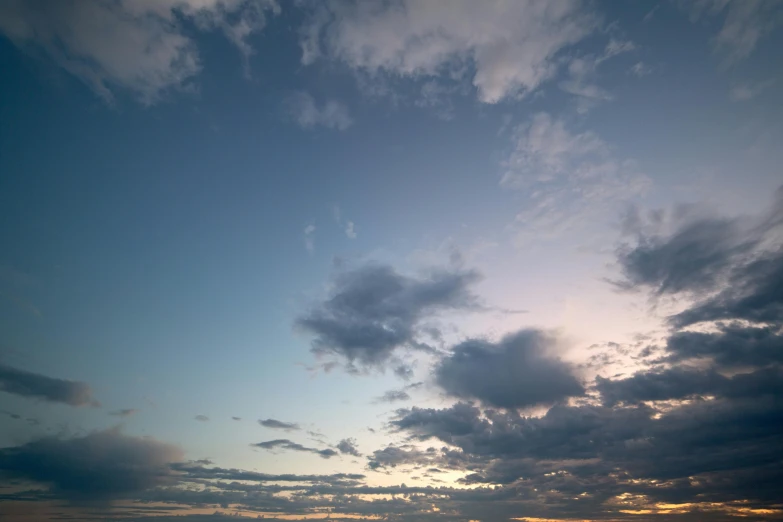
{"points": [[509, 48], [348, 447], [101, 465], [373, 310], [518, 371], [33, 385]]}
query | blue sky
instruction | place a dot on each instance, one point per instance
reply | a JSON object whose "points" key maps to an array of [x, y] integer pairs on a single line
{"points": [[203, 203]]}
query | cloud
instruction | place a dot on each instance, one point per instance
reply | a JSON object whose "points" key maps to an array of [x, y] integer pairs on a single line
{"points": [[33, 385], [583, 71], [309, 242], [279, 425], [393, 396], [201, 418], [682, 383], [373, 310], [640, 69], [566, 177], [505, 49], [138, 47], [293, 446], [734, 266], [101, 465], [693, 258], [745, 23], [236, 418], [348, 447], [519, 371], [127, 412], [350, 231], [307, 114], [748, 91]]}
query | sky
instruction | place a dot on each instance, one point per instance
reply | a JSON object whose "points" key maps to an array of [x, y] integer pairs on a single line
{"points": [[405, 260]]}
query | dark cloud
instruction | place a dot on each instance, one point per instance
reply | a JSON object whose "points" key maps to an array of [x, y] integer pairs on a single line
{"points": [[682, 383], [27, 384], [518, 371], [100, 465], [374, 310], [348, 447], [201, 418], [754, 292], [286, 444], [201, 472], [127, 412], [731, 346], [236, 418], [693, 258], [393, 456], [279, 425]]}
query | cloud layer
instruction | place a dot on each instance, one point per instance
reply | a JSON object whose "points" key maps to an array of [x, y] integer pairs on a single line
{"points": [[33, 385]]}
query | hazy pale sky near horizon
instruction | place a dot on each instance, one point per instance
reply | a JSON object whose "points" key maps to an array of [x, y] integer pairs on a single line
{"points": [[518, 248]]}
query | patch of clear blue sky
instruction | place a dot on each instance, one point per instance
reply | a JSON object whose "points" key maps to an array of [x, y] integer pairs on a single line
{"points": [[164, 245]]}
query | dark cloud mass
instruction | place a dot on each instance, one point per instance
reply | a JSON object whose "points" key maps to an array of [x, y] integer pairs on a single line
{"points": [[374, 310], [518, 371], [695, 434], [33, 385], [692, 259], [100, 465], [286, 444], [279, 425], [348, 447]]}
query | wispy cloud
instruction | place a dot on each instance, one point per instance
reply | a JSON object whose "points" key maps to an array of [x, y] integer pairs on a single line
{"points": [[308, 114]]}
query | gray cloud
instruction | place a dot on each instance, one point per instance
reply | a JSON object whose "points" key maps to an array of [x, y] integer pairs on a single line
{"points": [[286, 444], [279, 425], [374, 310], [28, 384], [100, 465], [518, 371], [692, 259], [127, 412], [236, 418], [393, 396], [348, 447], [732, 346], [201, 418], [682, 383]]}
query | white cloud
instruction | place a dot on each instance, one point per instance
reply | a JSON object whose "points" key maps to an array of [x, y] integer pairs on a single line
{"points": [[306, 112], [350, 230], [641, 69], [510, 46], [309, 241], [582, 73], [745, 23], [137, 45], [748, 91], [565, 176]]}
